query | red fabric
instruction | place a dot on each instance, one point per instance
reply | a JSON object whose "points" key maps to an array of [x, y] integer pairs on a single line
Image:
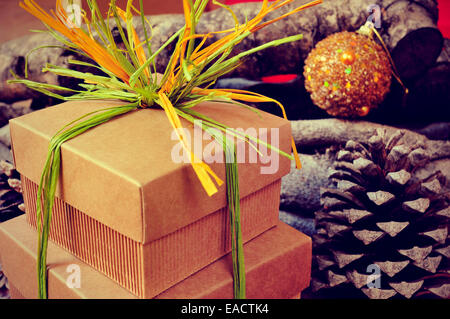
{"points": [[444, 17]]}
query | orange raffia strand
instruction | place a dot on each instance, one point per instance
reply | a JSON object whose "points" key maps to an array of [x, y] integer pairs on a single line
{"points": [[251, 26], [203, 171], [76, 36], [303, 7], [247, 96]]}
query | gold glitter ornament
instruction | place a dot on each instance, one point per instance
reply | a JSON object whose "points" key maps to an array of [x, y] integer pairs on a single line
{"points": [[348, 74]]}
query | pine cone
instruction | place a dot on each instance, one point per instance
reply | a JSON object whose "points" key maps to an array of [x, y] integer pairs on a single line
{"points": [[11, 199], [382, 232]]}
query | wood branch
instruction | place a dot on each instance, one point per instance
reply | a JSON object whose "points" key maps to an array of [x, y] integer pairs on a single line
{"points": [[380, 197], [391, 268], [376, 293], [417, 206], [407, 289], [315, 24], [368, 236], [326, 132], [416, 253]]}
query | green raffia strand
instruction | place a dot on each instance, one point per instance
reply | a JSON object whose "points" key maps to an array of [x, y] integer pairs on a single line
{"points": [[233, 198], [142, 91], [49, 180]]}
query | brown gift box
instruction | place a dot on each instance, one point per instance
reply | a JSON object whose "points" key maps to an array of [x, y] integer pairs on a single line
{"points": [[278, 266], [126, 208]]}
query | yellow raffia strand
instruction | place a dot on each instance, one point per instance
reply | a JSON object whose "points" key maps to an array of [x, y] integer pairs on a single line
{"points": [[203, 171]]}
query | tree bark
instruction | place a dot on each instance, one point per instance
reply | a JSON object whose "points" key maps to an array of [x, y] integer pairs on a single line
{"points": [[314, 23]]}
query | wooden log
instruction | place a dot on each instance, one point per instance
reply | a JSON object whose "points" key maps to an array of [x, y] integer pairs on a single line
{"points": [[415, 42], [326, 132], [315, 24]]}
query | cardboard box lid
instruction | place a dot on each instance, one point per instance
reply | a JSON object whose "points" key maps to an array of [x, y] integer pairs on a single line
{"points": [[278, 265], [122, 174]]}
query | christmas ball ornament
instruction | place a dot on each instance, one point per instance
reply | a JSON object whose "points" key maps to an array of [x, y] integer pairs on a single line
{"points": [[348, 74]]}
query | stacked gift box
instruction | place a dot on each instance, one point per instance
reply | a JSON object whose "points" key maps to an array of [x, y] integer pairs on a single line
{"points": [[137, 223]]}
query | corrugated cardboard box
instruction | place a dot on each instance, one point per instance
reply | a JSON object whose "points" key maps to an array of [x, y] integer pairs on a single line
{"points": [[278, 266], [128, 209]]}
